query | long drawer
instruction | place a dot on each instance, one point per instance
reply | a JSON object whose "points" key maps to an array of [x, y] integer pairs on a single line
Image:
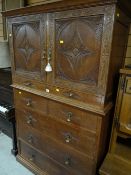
{"points": [[73, 115], [77, 138], [35, 158], [68, 158]]}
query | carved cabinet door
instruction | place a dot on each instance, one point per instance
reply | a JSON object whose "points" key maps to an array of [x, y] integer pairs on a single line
{"points": [[27, 37], [80, 42]]}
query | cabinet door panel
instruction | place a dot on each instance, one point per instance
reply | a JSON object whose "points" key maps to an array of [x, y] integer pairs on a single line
{"points": [[29, 35], [79, 44], [77, 49]]}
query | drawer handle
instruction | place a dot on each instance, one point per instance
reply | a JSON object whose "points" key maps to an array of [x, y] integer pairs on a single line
{"points": [[71, 95], [30, 119], [32, 158], [28, 84], [68, 161], [68, 138], [30, 139], [29, 103], [69, 116]]}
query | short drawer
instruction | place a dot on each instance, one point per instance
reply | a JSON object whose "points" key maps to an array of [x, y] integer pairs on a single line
{"points": [[72, 115], [30, 101], [28, 83], [68, 93], [128, 87], [69, 158], [74, 137], [30, 117], [36, 159]]}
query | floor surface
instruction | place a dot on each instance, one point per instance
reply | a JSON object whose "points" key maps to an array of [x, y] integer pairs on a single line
{"points": [[8, 163]]}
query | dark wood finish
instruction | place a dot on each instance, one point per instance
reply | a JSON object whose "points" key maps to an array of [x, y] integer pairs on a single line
{"points": [[76, 58], [30, 101], [27, 41], [59, 6], [118, 159], [82, 47], [33, 159], [65, 113], [78, 162], [92, 108], [73, 116], [66, 134], [56, 110]]}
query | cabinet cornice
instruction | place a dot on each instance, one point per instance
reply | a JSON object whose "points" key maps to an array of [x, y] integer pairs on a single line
{"points": [[57, 6]]}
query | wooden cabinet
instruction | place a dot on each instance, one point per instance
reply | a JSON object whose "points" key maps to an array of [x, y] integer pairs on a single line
{"points": [[75, 37], [119, 155], [63, 112], [28, 42]]}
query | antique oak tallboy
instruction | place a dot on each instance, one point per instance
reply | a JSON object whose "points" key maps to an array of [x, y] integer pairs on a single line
{"points": [[65, 58]]}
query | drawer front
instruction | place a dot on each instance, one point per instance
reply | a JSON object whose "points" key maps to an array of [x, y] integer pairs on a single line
{"points": [[73, 115], [75, 95], [33, 84], [128, 87], [41, 161], [30, 117], [69, 158], [30, 101], [77, 138]]}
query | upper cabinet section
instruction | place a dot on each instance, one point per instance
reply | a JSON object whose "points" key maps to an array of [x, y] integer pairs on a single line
{"points": [[68, 48], [80, 41], [28, 45]]}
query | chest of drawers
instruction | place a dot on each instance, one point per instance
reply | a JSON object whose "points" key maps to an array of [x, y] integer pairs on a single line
{"points": [[68, 136], [64, 63]]}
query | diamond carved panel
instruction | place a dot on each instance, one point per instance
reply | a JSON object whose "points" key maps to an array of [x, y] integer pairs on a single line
{"points": [[78, 42], [27, 47]]}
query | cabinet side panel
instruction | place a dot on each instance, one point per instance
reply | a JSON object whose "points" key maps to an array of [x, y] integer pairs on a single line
{"points": [[119, 44]]}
